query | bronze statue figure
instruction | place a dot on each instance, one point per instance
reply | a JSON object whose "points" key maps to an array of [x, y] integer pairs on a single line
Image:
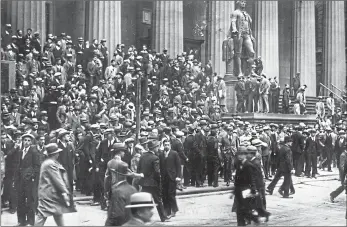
{"points": [[241, 33]]}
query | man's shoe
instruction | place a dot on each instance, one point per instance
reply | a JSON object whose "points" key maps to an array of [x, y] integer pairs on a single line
{"points": [[329, 170], [20, 224], [95, 204], [287, 197], [332, 199], [165, 218], [292, 193], [173, 214], [216, 186], [228, 184], [281, 192], [269, 191]]}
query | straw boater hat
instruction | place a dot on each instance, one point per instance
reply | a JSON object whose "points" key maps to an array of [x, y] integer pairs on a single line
{"points": [[141, 199]]}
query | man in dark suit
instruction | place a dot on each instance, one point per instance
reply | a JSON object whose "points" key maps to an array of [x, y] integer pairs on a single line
{"points": [[11, 164], [117, 190], [311, 154], [259, 181], [198, 163], [190, 148], [213, 162], [28, 175], [228, 148], [150, 167], [284, 169], [67, 155], [170, 169], [103, 156], [297, 149]]}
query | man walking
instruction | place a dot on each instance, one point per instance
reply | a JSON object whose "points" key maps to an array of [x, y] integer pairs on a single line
{"points": [[285, 168], [55, 197], [150, 167]]}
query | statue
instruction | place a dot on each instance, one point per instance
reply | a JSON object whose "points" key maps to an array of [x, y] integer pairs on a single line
{"points": [[241, 33]]}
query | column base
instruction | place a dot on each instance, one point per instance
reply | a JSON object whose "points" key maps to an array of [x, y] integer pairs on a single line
{"points": [[230, 82]]}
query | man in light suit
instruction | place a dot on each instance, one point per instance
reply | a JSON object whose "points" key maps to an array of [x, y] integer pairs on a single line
{"points": [[222, 93], [264, 94], [320, 110], [331, 106]]}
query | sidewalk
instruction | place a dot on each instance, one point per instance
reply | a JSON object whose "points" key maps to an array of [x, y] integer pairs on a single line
{"points": [[188, 191], [324, 176]]}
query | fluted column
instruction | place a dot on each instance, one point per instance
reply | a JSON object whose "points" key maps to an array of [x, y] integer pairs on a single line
{"points": [[168, 27], [105, 23], [305, 44], [266, 35], [29, 14], [334, 62], [220, 12]]}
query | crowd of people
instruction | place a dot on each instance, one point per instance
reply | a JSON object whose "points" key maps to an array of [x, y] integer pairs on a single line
{"points": [[72, 116]]}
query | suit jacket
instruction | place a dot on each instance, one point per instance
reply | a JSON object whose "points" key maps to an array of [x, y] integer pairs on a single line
{"points": [[320, 110], [66, 159], [311, 145], [170, 166], [177, 145], [264, 86], [298, 142], [104, 155], [15, 119], [29, 167], [286, 98], [257, 168], [149, 165], [285, 159], [201, 143]]}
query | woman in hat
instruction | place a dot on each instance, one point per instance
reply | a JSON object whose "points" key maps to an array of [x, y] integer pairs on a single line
{"points": [[54, 194]]}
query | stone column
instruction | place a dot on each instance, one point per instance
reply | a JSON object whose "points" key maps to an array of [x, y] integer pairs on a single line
{"points": [[219, 15], [168, 27], [304, 38], [29, 14], [266, 36], [105, 23], [334, 56]]}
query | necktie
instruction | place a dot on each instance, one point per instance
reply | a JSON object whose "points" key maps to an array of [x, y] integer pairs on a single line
{"points": [[25, 150]]}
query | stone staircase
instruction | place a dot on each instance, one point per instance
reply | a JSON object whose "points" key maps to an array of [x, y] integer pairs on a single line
{"points": [[310, 104]]}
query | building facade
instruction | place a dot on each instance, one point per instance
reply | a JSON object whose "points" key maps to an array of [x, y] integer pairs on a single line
{"points": [[291, 36]]}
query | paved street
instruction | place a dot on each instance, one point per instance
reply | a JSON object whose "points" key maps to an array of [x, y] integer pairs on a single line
{"points": [[309, 206]]}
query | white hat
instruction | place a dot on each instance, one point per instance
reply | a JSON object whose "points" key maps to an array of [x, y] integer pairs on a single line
{"points": [[141, 199]]}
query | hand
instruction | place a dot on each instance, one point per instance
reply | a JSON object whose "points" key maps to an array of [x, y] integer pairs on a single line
{"points": [[66, 199], [97, 169], [90, 169], [5, 156], [141, 175], [178, 179], [102, 160], [90, 161], [187, 160], [77, 155]]}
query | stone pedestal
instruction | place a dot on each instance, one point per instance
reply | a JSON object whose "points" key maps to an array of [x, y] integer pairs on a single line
{"points": [[29, 14], [219, 14], [105, 23], [304, 60], [8, 76], [168, 27], [334, 56], [230, 82], [266, 35]]}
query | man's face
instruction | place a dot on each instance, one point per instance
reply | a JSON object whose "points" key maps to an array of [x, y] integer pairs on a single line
{"points": [[41, 141], [29, 32], [66, 138], [27, 142], [167, 146], [146, 213]]}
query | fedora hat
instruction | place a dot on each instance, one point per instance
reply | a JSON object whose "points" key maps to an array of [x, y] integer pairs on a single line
{"points": [[153, 144], [141, 199], [62, 133], [52, 148], [28, 135]]}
